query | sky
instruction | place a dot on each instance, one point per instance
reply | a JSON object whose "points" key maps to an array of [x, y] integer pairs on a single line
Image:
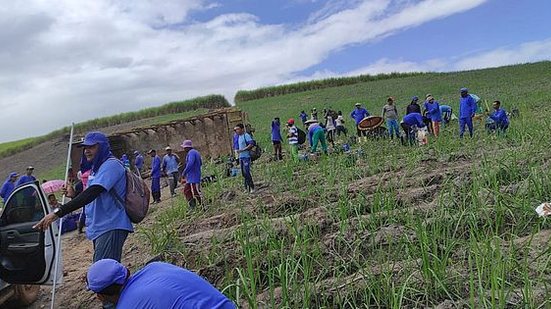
{"points": [[69, 61]]}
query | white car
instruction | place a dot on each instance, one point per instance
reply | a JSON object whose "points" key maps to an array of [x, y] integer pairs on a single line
{"points": [[27, 255]]}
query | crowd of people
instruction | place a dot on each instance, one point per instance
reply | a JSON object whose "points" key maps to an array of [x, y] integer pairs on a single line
{"points": [[429, 116]]}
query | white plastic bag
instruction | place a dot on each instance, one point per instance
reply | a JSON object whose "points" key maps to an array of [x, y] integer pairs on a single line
{"points": [[544, 209]]}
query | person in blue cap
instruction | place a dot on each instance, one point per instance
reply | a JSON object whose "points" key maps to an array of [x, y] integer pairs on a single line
{"points": [[107, 223], [358, 114], [155, 175], [138, 162], [409, 122], [156, 285], [467, 109], [8, 186], [28, 177]]}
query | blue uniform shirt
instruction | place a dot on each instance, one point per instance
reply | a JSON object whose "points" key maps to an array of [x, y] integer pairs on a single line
{"points": [[105, 213], [414, 119], [156, 167], [276, 132], [243, 142], [312, 130], [25, 179], [7, 189], [303, 117], [445, 108], [359, 114], [433, 110], [467, 107], [500, 117], [170, 163], [139, 161], [192, 171], [162, 285]]}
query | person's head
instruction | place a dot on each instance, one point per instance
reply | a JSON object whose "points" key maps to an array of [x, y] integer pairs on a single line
{"points": [[52, 200], [302, 112], [339, 113], [496, 104], [276, 119], [390, 100], [107, 278], [136, 153], [152, 153], [314, 110], [13, 176], [30, 170], [187, 145], [464, 92], [239, 129], [430, 99], [96, 149], [291, 122], [414, 99], [168, 150], [358, 105]]}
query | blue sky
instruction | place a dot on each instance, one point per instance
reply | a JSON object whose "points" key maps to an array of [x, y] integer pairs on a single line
{"points": [[68, 61]]}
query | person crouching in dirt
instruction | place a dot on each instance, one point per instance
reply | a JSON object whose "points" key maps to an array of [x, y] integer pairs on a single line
{"points": [[409, 123], [155, 175], [316, 135], [156, 285], [106, 220], [446, 112], [499, 116], [191, 175], [276, 139]]}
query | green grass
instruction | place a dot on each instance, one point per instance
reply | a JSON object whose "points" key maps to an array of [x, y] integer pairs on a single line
{"points": [[386, 226], [8, 147]]}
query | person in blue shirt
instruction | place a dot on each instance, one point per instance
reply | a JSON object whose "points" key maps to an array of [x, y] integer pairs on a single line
{"points": [[358, 114], [138, 162], [409, 123], [467, 109], [107, 223], [276, 138], [235, 145], [8, 186], [125, 161], [316, 135], [446, 112], [499, 116], [245, 142], [433, 111], [191, 175], [156, 285], [169, 166], [28, 177], [303, 117], [155, 175]]}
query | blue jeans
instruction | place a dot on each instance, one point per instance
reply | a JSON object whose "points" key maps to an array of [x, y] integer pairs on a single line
{"points": [[392, 125], [465, 121], [245, 164], [109, 245]]}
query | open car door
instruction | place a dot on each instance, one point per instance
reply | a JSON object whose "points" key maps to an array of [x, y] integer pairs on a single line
{"points": [[27, 255]]}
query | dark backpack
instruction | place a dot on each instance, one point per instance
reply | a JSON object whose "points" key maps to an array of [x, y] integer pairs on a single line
{"points": [[138, 196], [301, 136], [256, 151]]}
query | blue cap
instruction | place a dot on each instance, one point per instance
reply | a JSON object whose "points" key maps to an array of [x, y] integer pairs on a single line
{"points": [[415, 98], [104, 273], [464, 89], [93, 138], [13, 174]]}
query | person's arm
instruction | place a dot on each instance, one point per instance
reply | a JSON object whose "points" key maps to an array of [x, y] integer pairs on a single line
{"points": [[190, 161], [353, 114], [384, 112], [367, 114]]}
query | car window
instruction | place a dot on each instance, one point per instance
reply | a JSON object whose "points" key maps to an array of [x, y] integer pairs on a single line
{"points": [[23, 206]]}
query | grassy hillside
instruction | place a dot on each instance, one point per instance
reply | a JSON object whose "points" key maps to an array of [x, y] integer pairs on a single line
{"points": [[157, 114], [449, 224]]}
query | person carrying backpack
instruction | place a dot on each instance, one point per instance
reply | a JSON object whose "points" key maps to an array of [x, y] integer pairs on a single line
{"points": [[292, 137], [107, 223], [246, 143]]}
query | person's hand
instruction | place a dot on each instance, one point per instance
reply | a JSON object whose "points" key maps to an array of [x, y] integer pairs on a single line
{"points": [[45, 223]]}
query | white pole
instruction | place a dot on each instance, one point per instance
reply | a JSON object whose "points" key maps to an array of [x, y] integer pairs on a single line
{"points": [[58, 248]]}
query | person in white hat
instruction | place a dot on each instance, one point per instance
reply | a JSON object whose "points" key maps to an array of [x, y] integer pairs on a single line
{"points": [[191, 175], [169, 166], [28, 177]]}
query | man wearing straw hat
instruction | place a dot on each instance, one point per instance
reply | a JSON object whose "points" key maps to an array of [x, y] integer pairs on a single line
{"points": [[191, 175]]}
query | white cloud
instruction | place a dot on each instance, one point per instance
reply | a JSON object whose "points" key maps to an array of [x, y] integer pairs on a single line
{"points": [[64, 61]]}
